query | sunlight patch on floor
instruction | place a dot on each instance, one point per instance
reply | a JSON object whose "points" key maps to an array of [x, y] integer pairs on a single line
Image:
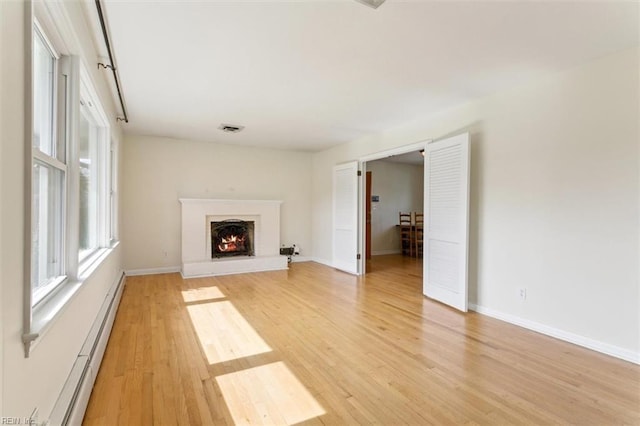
{"points": [[203, 293], [223, 332], [269, 394]]}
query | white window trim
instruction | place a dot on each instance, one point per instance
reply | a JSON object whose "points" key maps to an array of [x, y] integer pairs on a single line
{"points": [[53, 23], [53, 161], [92, 106], [113, 192]]}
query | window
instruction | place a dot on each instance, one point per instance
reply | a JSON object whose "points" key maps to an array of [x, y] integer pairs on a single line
{"points": [[113, 193], [94, 175], [71, 205], [49, 173], [71, 185], [88, 199]]}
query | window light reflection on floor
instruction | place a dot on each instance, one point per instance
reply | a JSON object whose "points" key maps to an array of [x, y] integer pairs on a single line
{"points": [[269, 394], [223, 332], [202, 293]]}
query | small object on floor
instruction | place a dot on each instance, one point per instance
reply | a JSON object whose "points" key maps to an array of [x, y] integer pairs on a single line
{"points": [[287, 251]]}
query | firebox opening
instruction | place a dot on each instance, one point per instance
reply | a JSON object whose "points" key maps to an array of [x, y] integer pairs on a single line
{"points": [[232, 237]]}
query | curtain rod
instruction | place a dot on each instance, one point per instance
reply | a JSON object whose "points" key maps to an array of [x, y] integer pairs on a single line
{"points": [[111, 66]]}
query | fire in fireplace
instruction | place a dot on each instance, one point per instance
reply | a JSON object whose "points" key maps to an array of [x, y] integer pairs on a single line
{"points": [[232, 237]]}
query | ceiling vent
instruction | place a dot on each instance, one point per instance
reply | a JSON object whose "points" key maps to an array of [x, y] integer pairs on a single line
{"points": [[230, 128], [371, 3]]}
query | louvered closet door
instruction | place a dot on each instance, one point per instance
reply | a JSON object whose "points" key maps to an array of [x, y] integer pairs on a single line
{"points": [[447, 221], [345, 217]]}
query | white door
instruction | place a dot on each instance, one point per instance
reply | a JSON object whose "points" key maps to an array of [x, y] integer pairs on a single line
{"points": [[345, 217], [446, 227]]}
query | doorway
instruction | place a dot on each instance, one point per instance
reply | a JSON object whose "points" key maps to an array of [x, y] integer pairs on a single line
{"points": [[446, 209], [392, 185]]}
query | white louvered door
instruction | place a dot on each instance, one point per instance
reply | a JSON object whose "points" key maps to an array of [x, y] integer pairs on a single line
{"points": [[345, 217], [446, 232]]}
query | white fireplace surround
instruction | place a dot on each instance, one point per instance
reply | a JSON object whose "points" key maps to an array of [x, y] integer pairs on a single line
{"points": [[197, 215]]}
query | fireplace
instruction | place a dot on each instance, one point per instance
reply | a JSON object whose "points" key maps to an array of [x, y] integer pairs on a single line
{"points": [[199, 256], [232, 237]]}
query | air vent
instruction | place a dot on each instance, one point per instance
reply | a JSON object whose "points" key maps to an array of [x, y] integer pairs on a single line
{"points": [[372, 3], [230, 128]]}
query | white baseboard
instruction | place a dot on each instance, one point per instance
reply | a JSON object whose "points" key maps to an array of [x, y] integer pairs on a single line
{"points": [[296, 259], [576, 339], [385, 252], [322, 261], [152, 271]]}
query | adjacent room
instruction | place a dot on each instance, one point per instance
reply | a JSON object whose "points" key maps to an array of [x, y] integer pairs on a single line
{"points": [[319, 211], [396, 187]]}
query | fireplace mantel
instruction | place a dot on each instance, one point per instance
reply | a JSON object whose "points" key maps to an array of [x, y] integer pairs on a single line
{"points": [[197, 214]]}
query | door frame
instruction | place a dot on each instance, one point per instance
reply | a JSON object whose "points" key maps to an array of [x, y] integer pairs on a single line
{"points": [[367, 223], [416, 146]]}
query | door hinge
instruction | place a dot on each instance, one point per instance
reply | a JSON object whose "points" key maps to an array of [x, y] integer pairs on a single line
{"points": [[359, 172], [358, 256]]}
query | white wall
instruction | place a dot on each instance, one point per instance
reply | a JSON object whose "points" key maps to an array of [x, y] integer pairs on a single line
{"points": [[5, 83], [401, 189], [159, 171], [554, 198], [33, 382]]}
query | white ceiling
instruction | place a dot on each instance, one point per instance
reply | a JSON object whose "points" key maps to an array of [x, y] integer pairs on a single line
{"points": [[308, 75]]}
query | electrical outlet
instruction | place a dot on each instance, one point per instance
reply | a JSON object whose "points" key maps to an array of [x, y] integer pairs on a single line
{"points": [[523, 293]]}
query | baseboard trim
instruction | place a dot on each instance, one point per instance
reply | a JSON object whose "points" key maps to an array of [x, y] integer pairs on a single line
{"points": [[322, 261], [385, 252], [296, 259], [576, 339], [152, 271]]}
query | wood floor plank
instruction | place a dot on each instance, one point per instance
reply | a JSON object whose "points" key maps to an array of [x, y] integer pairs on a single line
{"points": [[312, 345]]}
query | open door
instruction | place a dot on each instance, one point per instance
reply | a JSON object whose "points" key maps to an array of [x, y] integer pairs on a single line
{"points": [[446, 227], [345, 217]]}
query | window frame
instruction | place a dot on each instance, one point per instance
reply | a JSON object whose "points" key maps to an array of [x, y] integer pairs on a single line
{"points": [[113, 191], [56, 160], [72, 75], [91, 108]]}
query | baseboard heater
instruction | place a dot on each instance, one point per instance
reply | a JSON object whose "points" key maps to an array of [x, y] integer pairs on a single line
{"points": [[72, 401]]}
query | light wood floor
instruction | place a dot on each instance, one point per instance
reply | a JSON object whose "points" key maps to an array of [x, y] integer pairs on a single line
{"points": [[314, 345]]}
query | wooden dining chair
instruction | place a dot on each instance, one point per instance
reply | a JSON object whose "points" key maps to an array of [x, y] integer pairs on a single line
{"points": [[418, 234], [406, 234]]}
